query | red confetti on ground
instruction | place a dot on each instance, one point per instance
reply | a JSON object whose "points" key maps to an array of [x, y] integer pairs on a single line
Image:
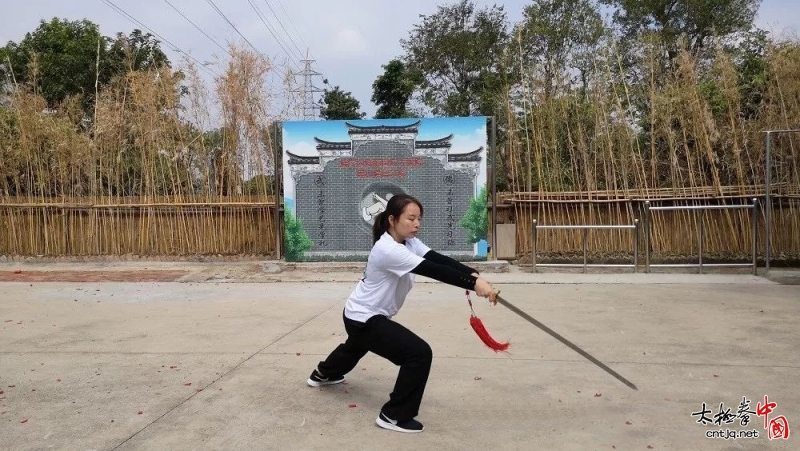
{"points": [[19, 271], [1, 392], [298, 353], [628, 422], [198, 390], [187, 384], [172, 367], [140, 412], [24, 420], [351, 406]]}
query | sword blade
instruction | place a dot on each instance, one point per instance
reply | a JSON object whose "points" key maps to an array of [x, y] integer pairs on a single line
{"points": [[569, 344]]}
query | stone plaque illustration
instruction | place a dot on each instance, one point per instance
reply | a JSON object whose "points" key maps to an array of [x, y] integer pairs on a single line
{"points": [[339, 175]]}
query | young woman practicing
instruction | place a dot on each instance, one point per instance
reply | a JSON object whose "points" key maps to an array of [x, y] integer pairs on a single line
{"points": [[396, 256]]}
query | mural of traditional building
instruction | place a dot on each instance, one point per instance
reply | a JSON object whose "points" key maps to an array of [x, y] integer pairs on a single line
{"points": [[339, 191]]}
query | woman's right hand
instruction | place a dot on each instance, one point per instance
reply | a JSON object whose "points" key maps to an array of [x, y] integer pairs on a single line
{"points": [[483, 288]]}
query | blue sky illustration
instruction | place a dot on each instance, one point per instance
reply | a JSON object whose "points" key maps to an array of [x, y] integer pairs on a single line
{"points": [[469, 134], [298, 136]]}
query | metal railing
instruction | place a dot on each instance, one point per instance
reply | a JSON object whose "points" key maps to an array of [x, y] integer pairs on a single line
{"points": [[700, 235], [585, 229], [768, 193]]}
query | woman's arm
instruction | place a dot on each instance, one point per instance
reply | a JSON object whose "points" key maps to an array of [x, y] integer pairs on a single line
{"points": [[445, 274], [448, 261]]}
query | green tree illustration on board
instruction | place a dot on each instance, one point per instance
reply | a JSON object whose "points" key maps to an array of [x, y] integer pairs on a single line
{"points": [[297, 242], [474, 220]]}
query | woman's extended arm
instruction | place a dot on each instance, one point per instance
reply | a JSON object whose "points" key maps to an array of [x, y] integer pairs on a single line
{"points": [[446, 274], [451, 276], [448, 261]]}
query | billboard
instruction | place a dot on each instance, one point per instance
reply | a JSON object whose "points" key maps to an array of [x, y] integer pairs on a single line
{"points": [[338, 175]]}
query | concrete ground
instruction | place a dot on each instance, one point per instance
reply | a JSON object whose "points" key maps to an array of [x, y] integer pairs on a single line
{"points": [[215, 356]]}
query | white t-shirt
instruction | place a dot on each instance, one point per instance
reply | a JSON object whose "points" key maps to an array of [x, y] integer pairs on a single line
{"points": [[387, 278]]}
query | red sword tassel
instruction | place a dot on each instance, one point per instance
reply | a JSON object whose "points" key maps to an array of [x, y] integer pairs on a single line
{"points": [[483, 334]]}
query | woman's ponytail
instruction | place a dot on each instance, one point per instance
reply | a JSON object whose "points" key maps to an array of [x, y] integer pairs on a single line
{"points": [[380, 226]]}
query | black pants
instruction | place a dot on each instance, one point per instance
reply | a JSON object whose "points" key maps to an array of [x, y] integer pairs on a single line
{"points": [[394, 342]]}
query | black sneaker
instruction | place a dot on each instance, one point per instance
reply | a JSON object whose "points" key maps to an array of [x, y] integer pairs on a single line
{"points": [[411, 425], [318, 380]]}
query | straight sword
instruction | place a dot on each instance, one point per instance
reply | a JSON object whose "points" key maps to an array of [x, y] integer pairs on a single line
{"points": [[569, 344]]}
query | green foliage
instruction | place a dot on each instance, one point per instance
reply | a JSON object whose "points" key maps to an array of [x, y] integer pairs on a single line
{"points": [[339, 105], [696, 20], [456, 57], [557, 35], [750, 57], [60, 59], [712, 94], [392, 91], [474, 220], [296, 240], [260, 185], [133, 53]]}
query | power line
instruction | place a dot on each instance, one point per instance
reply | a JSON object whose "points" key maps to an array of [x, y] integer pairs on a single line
{"points": [[310, 107], [300, 35], [198, 28], [214, 5], [299, 52], [271, 31], [175, 47], [307, 90]]}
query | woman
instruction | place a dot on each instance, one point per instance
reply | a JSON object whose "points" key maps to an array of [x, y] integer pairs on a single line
{"points": [[396, 256]]}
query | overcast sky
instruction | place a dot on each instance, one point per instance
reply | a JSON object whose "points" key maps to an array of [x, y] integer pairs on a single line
{"points": [[348, 39]]}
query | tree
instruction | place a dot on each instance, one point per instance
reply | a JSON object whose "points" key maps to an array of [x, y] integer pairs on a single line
{"points": [[456, 57], [392, 91], [558, 36], [474, 220], [339, 105], [297, 241], [750, 57], [260, 185], [60, 59], [696, 20], [133, 53]]}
